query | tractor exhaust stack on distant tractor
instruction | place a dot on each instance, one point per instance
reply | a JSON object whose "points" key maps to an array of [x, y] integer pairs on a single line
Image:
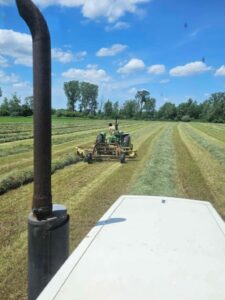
{"points": [[48, 225]]}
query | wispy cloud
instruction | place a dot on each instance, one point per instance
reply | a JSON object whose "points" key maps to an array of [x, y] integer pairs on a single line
{"points": [[156, 69], [220, 71], [117, 26], [8, 78], [191, 36], [111, 51]]}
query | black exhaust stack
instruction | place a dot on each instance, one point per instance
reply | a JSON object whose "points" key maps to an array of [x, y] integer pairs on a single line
{"points": [[48, 225]]}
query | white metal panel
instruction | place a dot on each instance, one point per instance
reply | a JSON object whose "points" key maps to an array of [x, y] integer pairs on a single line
{"points": [[147, 248]]}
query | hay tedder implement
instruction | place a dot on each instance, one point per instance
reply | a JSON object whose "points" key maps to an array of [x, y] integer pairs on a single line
{"points": [[116, 146]]}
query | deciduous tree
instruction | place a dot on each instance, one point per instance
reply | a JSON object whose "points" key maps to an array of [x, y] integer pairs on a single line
{"points": [[72, 91]]}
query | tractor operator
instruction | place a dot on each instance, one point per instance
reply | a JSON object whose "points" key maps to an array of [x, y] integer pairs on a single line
{"points": [[111, 128]]}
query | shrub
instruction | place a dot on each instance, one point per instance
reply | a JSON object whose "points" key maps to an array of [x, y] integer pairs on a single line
{"points": [[186, 118]]}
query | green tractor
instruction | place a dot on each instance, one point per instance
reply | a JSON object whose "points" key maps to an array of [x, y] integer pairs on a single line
{"points": [[116, 146]]}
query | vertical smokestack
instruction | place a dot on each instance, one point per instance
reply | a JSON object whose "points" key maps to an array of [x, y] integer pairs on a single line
{"points": [[48, 226], [42, 199]]}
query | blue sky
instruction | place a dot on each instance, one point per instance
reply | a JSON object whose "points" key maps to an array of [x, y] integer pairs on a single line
{"points": [[121, 45]]}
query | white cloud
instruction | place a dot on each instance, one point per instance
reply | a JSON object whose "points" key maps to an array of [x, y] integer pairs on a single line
{"points": [[90, 74], [220, 71], [6, 2], [80, 55], [111, 51], [132, 91], [17, 46], [157, 69], [118, 26], [133, 65], [5, 79], [3, 61], [21, 85], [164, 81], [189, 69], [92, 66], [62, 56], [112, 10]]}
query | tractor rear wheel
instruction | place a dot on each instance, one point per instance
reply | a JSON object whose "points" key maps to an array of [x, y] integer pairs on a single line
{"points": [[122, 158]]}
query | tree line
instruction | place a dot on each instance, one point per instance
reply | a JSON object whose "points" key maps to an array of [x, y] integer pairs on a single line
{"points": [[82, 102], [14, 106]]}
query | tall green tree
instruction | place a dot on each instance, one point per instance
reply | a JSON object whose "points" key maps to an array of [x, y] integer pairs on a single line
{"points": [[89, 95], [167, 111], [4, 108], [14, 105], [72, 91], [130, 108], [29, 102], [190, 109], [149, 107], [108, 108], [0, 92], [142, 97], [116, 109], [213, 109]]}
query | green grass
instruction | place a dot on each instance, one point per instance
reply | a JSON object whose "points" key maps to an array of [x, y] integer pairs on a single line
{"points": [[15, 120]]}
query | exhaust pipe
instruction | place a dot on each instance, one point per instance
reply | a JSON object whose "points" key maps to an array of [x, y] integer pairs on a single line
{"points": [[48, 225]]}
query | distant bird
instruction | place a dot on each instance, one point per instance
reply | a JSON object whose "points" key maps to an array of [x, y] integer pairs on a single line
{"points": [[203, 59], [186, 25]]}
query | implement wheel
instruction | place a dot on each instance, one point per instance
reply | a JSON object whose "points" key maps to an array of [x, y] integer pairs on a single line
{"points": [[122, 158], [89, 158]]}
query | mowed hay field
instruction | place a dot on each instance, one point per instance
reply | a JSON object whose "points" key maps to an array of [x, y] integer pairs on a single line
{"points": [[174, 159]]}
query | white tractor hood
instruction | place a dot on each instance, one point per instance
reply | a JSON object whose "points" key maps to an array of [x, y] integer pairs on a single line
{"points": [[147, 248]]}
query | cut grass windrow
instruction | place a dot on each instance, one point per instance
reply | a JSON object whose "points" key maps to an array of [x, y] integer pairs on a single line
{"points": [[189, 176], [18, 178], [216, 131], [212, 145], [158, 176], [211, 169]]}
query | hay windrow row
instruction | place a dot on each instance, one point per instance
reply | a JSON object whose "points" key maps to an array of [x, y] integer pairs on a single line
{"points": [[214, 132], [159, 174], [16, 132], [210, 168], [210, 144], [18, 178], [189, 177]]}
